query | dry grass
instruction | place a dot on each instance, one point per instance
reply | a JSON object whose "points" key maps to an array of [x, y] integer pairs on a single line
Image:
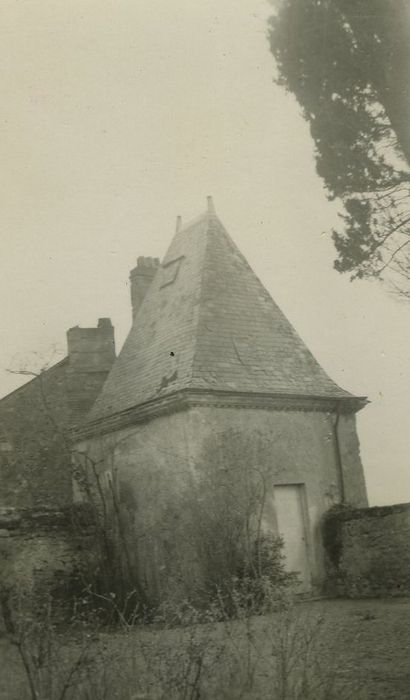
{"points": [[331, 650]]}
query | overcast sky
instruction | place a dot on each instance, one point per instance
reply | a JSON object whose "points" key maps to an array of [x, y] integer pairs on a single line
{"points": [[117, 116]]}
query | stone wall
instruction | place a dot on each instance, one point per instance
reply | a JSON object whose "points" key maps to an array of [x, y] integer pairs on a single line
{"points": [[45, 551], [368, 551]]}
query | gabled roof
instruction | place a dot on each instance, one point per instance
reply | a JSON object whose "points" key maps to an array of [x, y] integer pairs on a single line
{"points": [[208, 323]]}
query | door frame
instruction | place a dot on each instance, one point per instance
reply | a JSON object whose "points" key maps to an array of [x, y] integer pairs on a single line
{"points": [[302, 493]]}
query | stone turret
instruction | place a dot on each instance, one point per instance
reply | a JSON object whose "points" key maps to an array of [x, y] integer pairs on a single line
{"points": [[214, 379]]}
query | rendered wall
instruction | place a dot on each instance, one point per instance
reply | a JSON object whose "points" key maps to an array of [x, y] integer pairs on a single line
{"points": [[354, 485], [291, 447], [150, 467], [158, 465]]}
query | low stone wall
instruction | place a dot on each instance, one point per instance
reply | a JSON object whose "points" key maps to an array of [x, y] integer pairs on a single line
{"points": [[44, 551], [368, 551]]}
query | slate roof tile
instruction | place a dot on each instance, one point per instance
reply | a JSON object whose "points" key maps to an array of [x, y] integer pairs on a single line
{"points": [[208, 307]]}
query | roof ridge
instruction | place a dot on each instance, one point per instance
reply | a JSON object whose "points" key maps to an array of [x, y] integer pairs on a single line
{"points": [[34, 377], [201, 289], [210, 212], [196, 220]]}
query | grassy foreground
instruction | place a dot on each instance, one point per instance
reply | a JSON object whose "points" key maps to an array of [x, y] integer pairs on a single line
{"points": [[326, 650]]}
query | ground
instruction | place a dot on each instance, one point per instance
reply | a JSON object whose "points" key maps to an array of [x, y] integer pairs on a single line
{"points": [[322, 650], [381, 648]]}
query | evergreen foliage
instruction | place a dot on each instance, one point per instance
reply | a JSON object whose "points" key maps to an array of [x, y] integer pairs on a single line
{"points": [[346, 62]]}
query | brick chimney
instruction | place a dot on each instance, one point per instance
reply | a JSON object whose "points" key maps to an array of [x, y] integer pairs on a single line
{"points": [[91, 349], [140, 280]]}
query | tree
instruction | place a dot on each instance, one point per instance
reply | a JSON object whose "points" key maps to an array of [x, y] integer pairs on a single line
{"points": [[238, 554], [346, 62]]}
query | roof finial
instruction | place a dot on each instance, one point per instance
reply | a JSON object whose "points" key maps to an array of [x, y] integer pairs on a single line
{"points": [[211, 207], [179, 224]]}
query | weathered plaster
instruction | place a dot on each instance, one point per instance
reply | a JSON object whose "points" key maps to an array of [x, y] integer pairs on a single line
{"points": [[158, 462]]}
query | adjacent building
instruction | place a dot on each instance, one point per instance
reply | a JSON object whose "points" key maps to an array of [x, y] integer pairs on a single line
{"points": [[36, 420]]}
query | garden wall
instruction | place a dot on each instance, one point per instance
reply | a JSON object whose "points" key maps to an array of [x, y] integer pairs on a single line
{"points": [[44, 551], [368, 551]]}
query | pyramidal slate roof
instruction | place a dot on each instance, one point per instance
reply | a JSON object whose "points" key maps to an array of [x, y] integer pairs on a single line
{"points": [[207, 322]]}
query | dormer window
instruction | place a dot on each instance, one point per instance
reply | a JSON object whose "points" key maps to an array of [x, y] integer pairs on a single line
{"points": [[170, 271]]}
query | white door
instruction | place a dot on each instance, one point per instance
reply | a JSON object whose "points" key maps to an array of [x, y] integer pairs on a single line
{"points": [[290, 515]]}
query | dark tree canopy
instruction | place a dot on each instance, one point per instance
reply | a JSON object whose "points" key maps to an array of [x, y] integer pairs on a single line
{"points": [[348, 64]]}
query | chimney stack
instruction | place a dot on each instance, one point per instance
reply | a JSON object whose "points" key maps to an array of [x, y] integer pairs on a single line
{"points": [[210, 205], [91, 349], [140, 280]]}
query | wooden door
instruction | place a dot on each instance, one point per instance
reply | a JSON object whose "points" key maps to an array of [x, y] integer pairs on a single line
{"points": [[291, 521]]}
